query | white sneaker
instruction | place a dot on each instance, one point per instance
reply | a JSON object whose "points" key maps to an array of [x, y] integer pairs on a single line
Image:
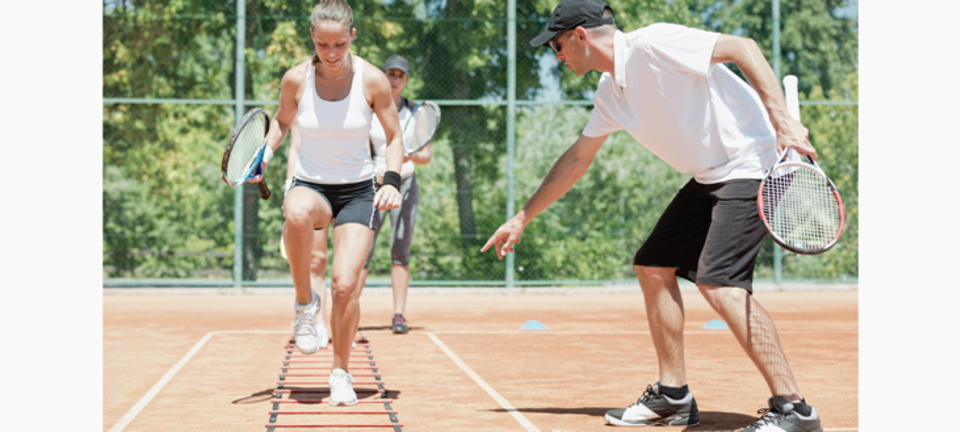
{"points": [[341, 389], [323, 335], [306, 331]]}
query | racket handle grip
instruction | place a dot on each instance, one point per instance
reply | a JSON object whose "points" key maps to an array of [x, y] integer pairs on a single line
{"points": [[264, 191]]}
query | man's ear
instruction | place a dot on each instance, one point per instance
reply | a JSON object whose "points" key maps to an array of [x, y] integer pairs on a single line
{"points": [[581, 33]]}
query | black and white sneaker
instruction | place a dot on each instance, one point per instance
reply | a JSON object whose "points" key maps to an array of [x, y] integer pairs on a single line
{"points": [[655, 409], [782, 416]]}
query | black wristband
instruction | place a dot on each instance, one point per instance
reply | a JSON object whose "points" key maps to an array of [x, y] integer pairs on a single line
{"points": [[392, 178]]}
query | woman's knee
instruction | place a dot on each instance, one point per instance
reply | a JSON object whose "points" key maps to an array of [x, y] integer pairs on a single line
{"points": [[343, 286], [400, 257], [298, 217], [318, 262]]}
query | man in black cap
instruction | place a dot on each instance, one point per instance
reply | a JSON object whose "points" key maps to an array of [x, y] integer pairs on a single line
{"points": [[666, 85]]}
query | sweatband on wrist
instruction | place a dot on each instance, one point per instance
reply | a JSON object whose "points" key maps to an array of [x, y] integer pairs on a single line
{"points": [[286, 186], [267, 154], [392, 178]]}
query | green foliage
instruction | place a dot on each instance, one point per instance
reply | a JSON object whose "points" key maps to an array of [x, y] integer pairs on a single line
{"points": [[817, 44], [166, 213], [592, 232]]}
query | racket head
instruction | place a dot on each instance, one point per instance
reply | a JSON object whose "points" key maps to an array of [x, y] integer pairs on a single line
{"points": [[800, 207], [421, 126], [245, 148]]}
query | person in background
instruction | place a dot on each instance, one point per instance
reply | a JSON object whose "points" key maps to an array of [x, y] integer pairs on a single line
{"points": [[402, 219]]}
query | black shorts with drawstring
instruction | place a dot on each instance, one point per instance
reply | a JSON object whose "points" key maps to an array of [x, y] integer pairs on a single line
{"points": [[710, 233], [349, 202]]}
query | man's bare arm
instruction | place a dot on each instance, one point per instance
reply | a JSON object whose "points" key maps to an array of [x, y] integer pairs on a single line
{"points": [[745, 53], [564, 174]]}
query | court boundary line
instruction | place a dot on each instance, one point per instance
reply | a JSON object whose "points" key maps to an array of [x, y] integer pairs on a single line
{"points": [[147, 398], [618, 332], [483, 384], [142, 403]]}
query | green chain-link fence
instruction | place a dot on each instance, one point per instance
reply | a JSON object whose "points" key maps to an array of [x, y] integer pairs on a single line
{"points": [[170, 100]]}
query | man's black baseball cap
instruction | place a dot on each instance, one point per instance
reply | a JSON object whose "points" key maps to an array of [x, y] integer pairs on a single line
{"points": [[570, 14]]}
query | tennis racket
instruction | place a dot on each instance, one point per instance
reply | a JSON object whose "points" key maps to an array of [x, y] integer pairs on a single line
{"points": [[799, 205], [420, 127], [243, 156]]}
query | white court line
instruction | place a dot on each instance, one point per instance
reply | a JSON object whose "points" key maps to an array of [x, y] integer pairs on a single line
{"points": [[130, 415], [483, 384], [617, 332]]}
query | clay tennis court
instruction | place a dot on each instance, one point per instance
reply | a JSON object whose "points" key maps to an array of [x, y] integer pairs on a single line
{"points": [[212, 360]]}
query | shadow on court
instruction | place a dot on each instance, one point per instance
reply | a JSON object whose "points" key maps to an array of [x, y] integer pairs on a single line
{"points": [[257, 397], [268, 394], [589, 411], [709, 420], [385, 328]]}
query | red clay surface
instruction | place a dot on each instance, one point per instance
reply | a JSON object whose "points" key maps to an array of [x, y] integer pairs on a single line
{"points": [[596, 355]]}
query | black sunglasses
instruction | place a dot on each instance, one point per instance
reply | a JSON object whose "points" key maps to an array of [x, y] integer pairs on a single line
{"points": [[554, 43]]}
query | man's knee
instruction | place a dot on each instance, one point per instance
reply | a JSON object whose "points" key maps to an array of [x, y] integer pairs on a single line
{"points": [[655, 279], [655, 274], [719, 295]]}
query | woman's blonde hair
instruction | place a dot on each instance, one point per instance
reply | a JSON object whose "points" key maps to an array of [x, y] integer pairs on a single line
{"points": [[330, 10]]}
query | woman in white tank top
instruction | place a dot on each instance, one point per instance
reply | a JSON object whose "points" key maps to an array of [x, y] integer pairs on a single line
{"points": [[333, 97]]}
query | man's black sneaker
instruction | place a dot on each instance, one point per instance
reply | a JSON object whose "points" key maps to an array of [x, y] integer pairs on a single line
{"points": [[655, 409], [782, 417]]}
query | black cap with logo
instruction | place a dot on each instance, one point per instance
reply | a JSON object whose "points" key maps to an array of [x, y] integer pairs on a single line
{"points": [[397, 61], [570, 14]]}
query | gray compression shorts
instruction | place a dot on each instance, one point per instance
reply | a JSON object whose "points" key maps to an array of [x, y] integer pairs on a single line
{"points": [[402, 219]]}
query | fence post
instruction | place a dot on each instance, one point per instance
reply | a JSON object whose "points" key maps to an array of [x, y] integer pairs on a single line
{"points": [[511, 120], [238, 191], [777, 252]]}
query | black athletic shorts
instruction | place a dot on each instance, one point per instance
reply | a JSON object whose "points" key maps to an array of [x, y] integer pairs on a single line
{"points": [[710, 233], [350, 202]]}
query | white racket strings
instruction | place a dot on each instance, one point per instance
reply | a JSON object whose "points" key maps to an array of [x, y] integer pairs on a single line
{"points": [[425, 120], [801, 208], [245, 148]]}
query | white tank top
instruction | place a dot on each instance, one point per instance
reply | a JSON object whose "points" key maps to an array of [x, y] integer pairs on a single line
{"points": [[378, 139], [334, 135]]}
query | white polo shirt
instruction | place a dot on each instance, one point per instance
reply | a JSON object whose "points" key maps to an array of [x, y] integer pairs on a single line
{"points": [[697, 116]]}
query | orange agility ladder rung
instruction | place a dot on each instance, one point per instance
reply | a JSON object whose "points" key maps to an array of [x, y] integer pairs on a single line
{"points": [[277, 425], [334, 412], [316, 401]]}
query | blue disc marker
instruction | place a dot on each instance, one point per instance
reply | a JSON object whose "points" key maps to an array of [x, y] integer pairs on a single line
{"points": [[533, 325], [716, 325]]}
